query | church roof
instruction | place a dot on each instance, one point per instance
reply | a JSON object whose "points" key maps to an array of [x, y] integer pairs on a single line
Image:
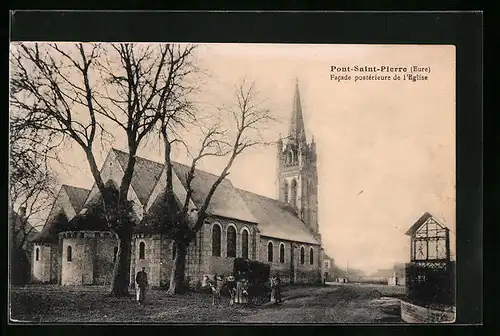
{"points": [[77, 196], [91, 218], [59, 221], [225, 202], [146, 174], [153, 220], [277, 219], [52, 227]]}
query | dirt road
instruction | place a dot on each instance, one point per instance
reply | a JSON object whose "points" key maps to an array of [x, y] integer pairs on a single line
{"points": [[346, 303]]}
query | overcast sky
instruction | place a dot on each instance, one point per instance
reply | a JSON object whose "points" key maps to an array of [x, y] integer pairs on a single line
{"points": [[386, 150]]}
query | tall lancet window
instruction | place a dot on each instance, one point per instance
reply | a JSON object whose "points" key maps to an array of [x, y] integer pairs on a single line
{"points": [[285, 192], [231, 242], [244, 244], [216, 240], [293, 199], [69, 254]]}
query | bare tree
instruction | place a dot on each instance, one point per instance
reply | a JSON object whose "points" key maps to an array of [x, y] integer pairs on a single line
{"points": [[88, 92], [30, 189], [237, 128]]}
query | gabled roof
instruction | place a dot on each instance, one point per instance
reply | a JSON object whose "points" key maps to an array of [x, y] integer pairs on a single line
{"points": [[226, 201], [146, 174], [421, 221], [90, 218], [77, 196], [277, 219], [56, 221], [154, 218], [54, 225]]}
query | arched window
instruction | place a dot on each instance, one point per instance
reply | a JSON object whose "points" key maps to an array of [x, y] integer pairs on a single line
{"points": [[293, 198], [285, 191], [115, 253], [69, 253], [37, 254], [216, 240], [311, 256], [142, 250], [270, 252], [282, 253], [174, 251], [231, 241], [302, 254], [244, 244]]}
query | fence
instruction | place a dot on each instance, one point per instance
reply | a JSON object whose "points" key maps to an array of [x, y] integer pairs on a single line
{"points": [[431, 282]]}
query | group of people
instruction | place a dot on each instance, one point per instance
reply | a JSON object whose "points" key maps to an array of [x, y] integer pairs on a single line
{"points": [[237, 286]]}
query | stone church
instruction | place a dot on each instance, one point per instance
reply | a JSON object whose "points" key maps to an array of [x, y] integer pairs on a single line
{"points": [[75, 246]]}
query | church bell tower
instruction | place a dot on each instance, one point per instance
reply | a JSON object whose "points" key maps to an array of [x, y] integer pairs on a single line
{"points": [[297, 175]]}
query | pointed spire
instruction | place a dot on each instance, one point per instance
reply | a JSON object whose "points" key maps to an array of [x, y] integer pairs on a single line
{"points": [[296, 133]]}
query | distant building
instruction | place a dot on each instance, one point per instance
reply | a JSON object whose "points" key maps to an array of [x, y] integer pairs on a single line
{"points": [[328, 268], [75, 246], [398, 277]]}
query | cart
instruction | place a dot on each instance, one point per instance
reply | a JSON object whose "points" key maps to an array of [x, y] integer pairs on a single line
{"points": [[257, 274]]}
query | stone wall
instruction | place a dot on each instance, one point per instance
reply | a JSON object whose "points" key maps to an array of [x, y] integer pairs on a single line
{"points": [[411, 313], [157, 260], [132, 272], [193, 261], [92, 257], [223, 264], [41, 267], [55, 263], [291, 270], [104, 259], [79, 269]]}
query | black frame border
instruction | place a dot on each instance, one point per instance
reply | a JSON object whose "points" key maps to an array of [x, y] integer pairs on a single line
{"points": [[462, 29]]}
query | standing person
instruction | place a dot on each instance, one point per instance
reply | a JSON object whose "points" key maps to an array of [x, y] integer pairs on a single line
{"points": [[275, 289], [278, 288], [231, 285], [215, 292], [244, 294], [218, 287], [142, 282], [240, 289]]}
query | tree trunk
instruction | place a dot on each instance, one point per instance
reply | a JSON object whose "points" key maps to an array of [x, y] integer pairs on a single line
{"points": [[177, 275], [121, 272]]}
